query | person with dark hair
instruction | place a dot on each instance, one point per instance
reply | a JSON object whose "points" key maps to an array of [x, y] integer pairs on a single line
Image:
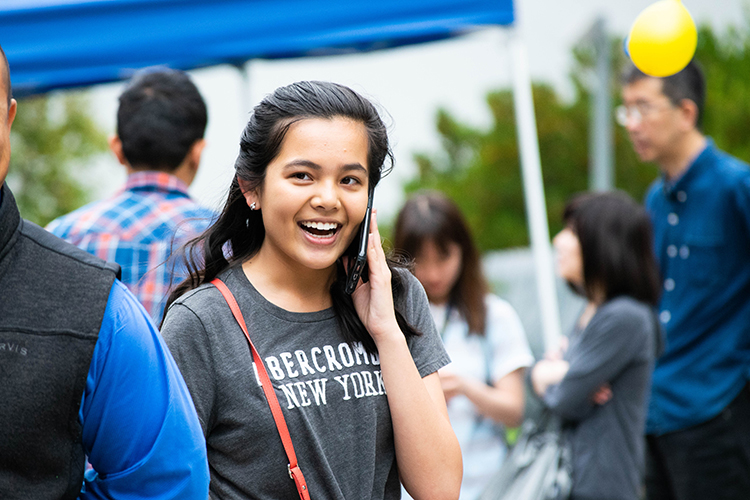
{"points": [[355, 375], [482, 333], [85, 374], [698, 428], [160, 125], [600, 386]]}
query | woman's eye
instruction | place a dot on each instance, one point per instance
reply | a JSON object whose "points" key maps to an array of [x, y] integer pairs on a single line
{"points": [[303, 176], [349, 181]]}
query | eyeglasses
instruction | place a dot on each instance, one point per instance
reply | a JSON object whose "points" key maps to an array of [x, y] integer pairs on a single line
{"points": [[636, 112]]}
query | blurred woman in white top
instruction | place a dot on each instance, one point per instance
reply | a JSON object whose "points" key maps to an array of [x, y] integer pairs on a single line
{"points": [[482, 334]]}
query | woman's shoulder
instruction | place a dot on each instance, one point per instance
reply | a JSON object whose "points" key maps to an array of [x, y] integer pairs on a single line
{"points": [[506, 330], [412, 289], [497, 306], [501, 312], [200, 304], [405, 275], [198, 298], [626, 313], [626, 306], [206, 296]]}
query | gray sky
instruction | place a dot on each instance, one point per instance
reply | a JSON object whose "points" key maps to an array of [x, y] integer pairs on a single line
{"points": [[409, 83]]}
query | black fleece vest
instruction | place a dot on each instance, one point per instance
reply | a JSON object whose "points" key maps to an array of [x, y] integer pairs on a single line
{"points": [[52, 301]]}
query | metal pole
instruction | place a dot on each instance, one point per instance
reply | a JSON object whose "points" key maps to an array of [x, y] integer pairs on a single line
{"points": [[536, 206], [601, 170]]}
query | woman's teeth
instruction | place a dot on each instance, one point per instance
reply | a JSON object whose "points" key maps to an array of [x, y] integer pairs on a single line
{"points": [[320, 229]]}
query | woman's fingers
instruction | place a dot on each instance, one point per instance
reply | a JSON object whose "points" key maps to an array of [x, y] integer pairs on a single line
{"points": [[376, 254], [602, 395], [375, 298]]}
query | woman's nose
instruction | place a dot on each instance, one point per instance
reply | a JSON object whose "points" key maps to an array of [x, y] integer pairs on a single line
{"points": [[326, 196]]}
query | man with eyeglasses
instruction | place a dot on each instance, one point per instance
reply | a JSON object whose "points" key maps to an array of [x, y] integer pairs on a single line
{"points": [[698, 426]]}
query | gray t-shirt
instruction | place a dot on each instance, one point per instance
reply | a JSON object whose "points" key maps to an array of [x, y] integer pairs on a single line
{"points": [[331, 393], [617, 347]]}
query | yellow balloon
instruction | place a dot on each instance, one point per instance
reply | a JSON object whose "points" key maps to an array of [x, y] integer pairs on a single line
{"points": [[663, 38]]}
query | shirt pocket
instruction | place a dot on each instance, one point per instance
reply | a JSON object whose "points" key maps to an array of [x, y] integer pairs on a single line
{"points": [[702, 255]]}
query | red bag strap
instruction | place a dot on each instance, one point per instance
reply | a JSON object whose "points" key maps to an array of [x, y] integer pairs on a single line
{"points": [[293, 468]]}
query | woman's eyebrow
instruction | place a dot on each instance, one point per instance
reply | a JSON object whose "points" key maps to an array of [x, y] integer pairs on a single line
{"points": [[354, 166], [314, 166], [302, 163]]}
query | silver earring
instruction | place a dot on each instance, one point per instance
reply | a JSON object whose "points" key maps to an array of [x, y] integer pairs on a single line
{"points": [[252, 206]]}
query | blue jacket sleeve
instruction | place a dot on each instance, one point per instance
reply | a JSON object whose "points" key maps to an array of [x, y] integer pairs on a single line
{"points": [[140, 430]]}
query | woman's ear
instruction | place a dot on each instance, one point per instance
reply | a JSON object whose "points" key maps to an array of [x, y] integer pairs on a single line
{"points": [[250, 194]]}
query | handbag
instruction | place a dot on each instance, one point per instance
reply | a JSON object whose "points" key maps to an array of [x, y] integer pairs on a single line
{"points": [[540, 465], [293, 467]]}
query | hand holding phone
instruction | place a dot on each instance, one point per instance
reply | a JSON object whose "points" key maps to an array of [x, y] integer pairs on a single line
{"points": [[358, 262]]}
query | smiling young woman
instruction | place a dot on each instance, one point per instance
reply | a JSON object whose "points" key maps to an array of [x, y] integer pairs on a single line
{"points": [[355, 376]]}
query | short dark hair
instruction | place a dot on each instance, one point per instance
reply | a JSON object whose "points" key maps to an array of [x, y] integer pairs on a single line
{"points": [[6, 76], [432, 216], [160, 117], [616, 246], [689, 83]]}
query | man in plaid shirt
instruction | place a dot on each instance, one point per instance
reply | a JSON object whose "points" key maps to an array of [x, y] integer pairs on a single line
{"points": [[161, 121]]}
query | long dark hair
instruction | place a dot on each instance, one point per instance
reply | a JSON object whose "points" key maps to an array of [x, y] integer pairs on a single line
{"points": [[238, 232], [616, 246], [431, 216]]}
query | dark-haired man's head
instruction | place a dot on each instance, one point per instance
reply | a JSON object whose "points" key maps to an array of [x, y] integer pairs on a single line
{"points": [[7, 115], [160, 122], [663, 116]]}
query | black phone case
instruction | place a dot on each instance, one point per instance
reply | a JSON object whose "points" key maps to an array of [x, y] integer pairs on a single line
{"points": [[358, 261]]}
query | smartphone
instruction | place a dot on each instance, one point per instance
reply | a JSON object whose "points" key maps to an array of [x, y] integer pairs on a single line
{"points": [[358, 260]]}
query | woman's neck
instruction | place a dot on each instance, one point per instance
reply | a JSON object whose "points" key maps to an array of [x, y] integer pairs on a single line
{"points": [[443, 302], [587, 314], [293, 288]]}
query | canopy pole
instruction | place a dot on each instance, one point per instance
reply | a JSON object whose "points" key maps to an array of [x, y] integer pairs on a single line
{"points": [[601, 169], [536, 207]]}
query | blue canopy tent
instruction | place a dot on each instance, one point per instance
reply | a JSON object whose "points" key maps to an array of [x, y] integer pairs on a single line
{"points": [[54, 44], [67, 43]]}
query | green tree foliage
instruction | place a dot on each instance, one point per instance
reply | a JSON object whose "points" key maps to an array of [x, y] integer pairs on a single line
{"points": [[52, 139], [480, 169], [725, 59]]}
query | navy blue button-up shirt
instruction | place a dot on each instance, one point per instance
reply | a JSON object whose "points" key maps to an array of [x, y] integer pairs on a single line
{"points": [[702, 242]]}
